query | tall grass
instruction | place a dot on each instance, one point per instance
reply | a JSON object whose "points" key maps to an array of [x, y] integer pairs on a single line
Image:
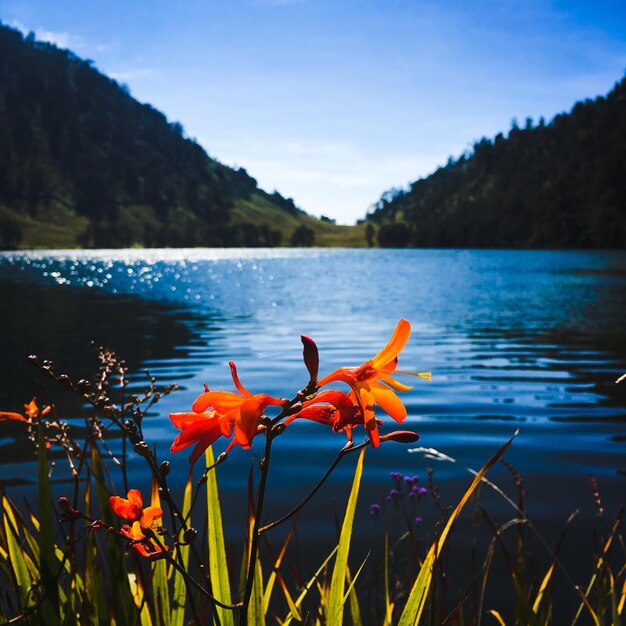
{"points": [[72, 561]]}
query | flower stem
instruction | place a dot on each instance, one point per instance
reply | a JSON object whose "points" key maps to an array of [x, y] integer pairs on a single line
{"points": [[349, 447], [254, 540]]}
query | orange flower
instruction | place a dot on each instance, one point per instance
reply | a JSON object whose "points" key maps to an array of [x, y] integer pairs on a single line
{"points": [[31, 410], [341, 411], [141, 544], [371, 383], [203, 429], [130, 509], [240, 412]]}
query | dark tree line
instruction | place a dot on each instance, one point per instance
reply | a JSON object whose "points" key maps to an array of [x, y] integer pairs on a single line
{"points": [[556, 185], [74, 143]]}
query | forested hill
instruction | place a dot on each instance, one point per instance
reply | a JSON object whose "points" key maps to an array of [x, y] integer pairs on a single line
{"points": [[84, 164], [556, 185]]}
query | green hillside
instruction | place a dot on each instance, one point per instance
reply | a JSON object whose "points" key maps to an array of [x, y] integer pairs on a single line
{"points": [[83, 164], [259, 212], [556, 185]]}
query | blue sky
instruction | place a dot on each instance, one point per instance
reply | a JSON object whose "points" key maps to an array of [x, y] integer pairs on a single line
{"points": [[332, 102]]}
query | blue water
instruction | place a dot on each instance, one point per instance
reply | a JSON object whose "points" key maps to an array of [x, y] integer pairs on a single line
{"points": [[527, 340]]}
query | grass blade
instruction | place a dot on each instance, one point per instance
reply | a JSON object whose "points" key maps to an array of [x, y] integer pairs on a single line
{"points": [[162, 609], [498, 617], [622, 600], [94, 600], [272, 578], [417, 597], [256, 614], [290, 603], [599, 564], [218, 563], [542, 588], [388, 603], [17, 556], [355, 609], [310, 584], [334, 609], [182, 556], [587, 604]]}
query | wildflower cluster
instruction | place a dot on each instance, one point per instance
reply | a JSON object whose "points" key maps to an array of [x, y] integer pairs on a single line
{"points": [[405, 494], [140, 520], [240, 415]]}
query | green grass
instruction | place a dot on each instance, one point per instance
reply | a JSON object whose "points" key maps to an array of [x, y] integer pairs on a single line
{"points": [[43, 235], [258, 211], [61, 229]]}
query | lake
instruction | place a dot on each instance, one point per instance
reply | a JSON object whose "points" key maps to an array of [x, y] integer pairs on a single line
{"points": [[528, 340]]}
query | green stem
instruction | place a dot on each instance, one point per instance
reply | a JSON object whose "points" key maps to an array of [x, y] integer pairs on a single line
{"points": [[254, 540]]}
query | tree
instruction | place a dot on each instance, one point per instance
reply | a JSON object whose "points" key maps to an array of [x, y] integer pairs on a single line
{"points": [[302, 236], [395, 235]]}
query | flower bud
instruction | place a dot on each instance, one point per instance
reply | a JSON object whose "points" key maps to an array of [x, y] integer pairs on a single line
{"points": [[142, 448], [67, 508], [401, 436], [311, 356]]}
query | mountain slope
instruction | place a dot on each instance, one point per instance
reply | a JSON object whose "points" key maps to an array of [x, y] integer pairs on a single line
{"points": [[555, 185], [84, 164]]}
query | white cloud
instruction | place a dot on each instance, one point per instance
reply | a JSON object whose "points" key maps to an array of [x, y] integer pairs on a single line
{"points": [[61, 40], [132, 74]]}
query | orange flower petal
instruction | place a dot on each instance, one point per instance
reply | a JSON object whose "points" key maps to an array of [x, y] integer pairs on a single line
{"points": [[7, 415], [220, 400], [389, 402], [343, 374], [130, 511], [248, 422], [240, 388], [201, 446], [321, 413], [150, 514], [184, 420], [201, 429], [394, 345], [134, 496], [32, 410]]}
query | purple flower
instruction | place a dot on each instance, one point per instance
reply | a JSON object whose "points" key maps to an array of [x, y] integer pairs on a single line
{"points": [[374, 509], [397, 476], [394, 493], [418, 520], [422, 490]]}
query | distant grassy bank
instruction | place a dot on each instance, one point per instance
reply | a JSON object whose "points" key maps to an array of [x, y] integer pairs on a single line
{"points": [[252, 218]]}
